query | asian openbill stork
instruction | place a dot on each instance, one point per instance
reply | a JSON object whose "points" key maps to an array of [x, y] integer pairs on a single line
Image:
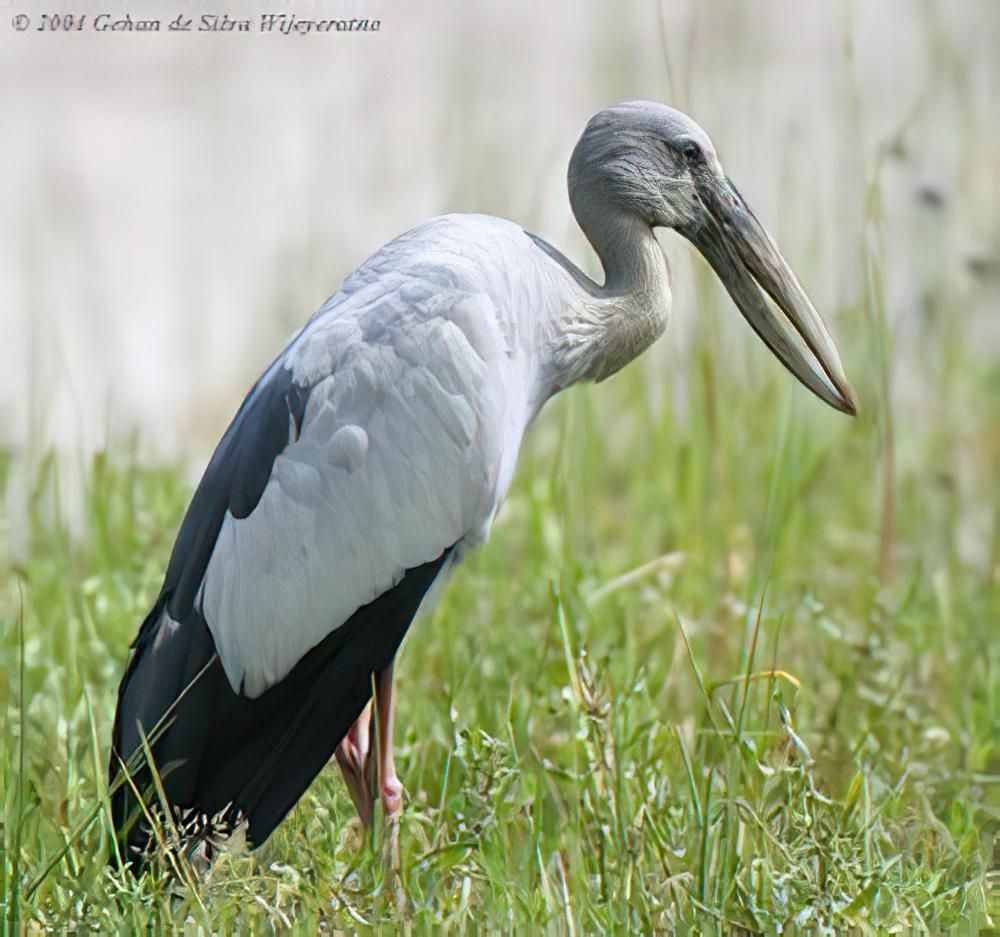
{"points": [[376, 451]]}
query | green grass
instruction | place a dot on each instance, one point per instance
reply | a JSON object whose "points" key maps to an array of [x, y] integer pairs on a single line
{"points": [[725, 665]]}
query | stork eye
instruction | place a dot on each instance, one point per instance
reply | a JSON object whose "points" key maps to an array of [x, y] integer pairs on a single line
{"points": [[691, 151]]}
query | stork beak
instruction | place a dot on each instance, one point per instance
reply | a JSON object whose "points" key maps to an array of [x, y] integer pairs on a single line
{"points": [[746, 259]]}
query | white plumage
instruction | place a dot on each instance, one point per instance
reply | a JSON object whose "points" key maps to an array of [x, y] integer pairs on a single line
{"points": [[425, 368]]}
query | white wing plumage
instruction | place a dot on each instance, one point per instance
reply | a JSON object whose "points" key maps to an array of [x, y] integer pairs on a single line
{"points": [[421, 386]]}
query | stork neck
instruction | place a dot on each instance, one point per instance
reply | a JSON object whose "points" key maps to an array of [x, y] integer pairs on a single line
{"points": [[608, 326], [634, 265]]}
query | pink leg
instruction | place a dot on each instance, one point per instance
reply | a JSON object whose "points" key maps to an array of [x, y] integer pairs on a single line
{"points": [[367, 762], [390, 790], [354, 759]]}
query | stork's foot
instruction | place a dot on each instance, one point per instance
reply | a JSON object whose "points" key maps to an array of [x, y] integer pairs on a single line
{"points": [[391, 794], [390, 857]]}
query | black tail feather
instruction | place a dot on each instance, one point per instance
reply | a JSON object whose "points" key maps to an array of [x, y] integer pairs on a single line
{"points": [[221, 753]]}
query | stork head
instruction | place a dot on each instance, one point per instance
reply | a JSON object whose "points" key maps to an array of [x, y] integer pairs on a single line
{"points": [[653, 163]]}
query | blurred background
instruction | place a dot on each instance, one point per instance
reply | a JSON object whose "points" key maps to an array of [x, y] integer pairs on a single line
{"points": [[176, 204]]}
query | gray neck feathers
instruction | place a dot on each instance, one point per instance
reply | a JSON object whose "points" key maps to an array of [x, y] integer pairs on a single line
{"points": [[606, 327]]}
